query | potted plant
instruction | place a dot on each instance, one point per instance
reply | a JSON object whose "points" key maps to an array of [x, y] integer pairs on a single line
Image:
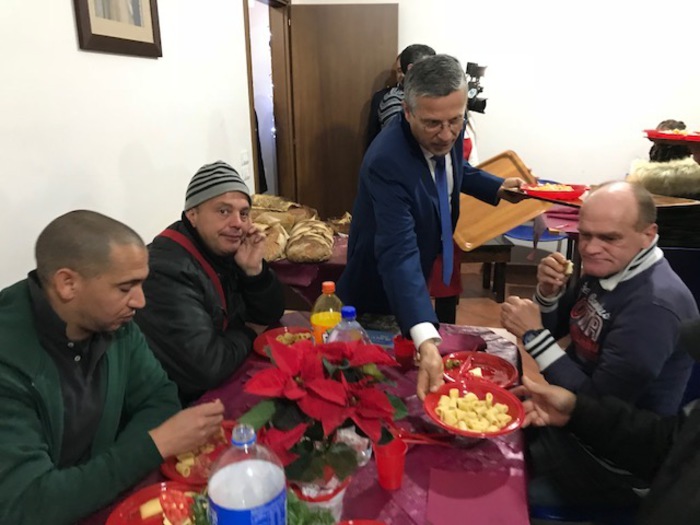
{"points": [[324, 406]]}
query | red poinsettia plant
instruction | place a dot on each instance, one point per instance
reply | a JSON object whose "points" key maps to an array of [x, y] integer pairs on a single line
{"points": [[313, 393]]}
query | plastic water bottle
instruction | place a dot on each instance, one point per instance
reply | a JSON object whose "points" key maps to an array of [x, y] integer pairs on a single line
{"points": [[247, 485], [348, 329], [326, 312]]}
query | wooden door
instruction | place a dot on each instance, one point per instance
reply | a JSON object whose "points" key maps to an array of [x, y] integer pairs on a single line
{"points": [[339, 56]]}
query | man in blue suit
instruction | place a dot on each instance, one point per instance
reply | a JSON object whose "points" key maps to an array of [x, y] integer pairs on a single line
{"points": [[408, 204]]}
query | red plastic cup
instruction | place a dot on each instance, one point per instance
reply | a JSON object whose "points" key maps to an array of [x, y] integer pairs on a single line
{"points": [[390, 459], [404, 352]]}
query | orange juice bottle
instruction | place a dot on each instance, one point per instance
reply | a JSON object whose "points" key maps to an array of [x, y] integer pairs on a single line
{"points": [[326, 312]]}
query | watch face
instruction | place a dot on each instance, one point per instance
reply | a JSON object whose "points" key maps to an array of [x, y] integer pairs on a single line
{"points": [[472, 93], [530, 335]]}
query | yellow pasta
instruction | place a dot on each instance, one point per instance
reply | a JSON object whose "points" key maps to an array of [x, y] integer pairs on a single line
{"points": [[554, 187], [471, 413]]}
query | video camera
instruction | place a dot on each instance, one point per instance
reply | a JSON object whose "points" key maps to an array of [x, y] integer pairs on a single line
{"points": [[474, 74]]}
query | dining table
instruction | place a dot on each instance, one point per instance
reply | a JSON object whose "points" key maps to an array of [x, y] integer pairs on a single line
{"points": [[450, 482]]}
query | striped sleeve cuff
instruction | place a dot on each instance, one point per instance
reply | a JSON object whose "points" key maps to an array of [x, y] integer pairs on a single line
{"points": [[547, 304], [544, 349]]}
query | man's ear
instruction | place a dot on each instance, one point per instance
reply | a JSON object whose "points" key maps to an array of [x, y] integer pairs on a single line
{"points": [[191, 215], [66, 281], [650, 233], [406, 112]]}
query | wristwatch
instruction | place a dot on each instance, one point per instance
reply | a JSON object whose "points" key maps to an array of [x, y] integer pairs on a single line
{"points": [[531, 334]]}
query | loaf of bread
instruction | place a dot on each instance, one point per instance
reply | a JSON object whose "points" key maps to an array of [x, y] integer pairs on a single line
{"points": [[310, 241], [289, 213], [275, 237], [341, 225]]}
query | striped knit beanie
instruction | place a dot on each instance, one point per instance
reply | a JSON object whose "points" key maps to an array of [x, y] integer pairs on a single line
{"points": [[212, 180]]}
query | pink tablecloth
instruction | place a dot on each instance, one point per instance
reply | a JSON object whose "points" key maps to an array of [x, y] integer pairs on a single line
{"points": [[475, 460], [306, 278]]}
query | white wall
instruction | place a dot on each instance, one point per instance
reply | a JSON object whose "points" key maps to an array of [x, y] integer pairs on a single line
{"points": [[570, 85], [123, 135], [118, 134]]}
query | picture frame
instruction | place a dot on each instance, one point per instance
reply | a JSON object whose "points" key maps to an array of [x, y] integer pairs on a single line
{"points": [[124, 27]]}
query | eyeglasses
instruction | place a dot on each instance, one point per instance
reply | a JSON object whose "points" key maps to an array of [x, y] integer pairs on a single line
{"points": [[435, 126]]}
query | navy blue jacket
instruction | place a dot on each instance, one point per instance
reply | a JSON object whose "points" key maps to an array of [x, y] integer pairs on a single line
{"points": [[395, 231]]}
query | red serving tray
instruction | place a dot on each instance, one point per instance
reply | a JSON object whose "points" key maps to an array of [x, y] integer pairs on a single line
{"points": [[128, 513], [533, 190], [494, 368], [480, 388], [167, 468], [657, 135], [263, 340]]}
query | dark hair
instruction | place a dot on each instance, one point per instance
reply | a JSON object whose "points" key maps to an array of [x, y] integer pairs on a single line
{"points": [[646, 207], [413, 54], [435, 76], [82, 241], [669, 152]]}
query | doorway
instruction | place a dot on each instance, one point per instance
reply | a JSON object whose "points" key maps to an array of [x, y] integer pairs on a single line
{"points": [[326, 61], [259, 36]]}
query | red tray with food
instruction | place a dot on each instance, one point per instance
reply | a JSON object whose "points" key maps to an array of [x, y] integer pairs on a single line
{"points": [[672, 135]]}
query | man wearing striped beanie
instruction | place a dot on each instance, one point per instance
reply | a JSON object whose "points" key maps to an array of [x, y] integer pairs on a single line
{"points": [[208, 283]]}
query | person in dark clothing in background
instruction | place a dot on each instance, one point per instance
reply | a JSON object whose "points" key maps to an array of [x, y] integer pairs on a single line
{"points": [[208, 283], [390, 103]]}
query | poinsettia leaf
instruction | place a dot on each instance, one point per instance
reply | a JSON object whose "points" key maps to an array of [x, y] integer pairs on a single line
{"points": [[353, 375], [370, 426], [287, 415], [373, 403], [292, 390], [329, 390], [285, 439], [267, 383], [400, 410], [372, 370], [362, 354], [342, 459], [311, 367], [296, 469], [387, 436], [315, 432], [286, 358], [335, 352], [329, 414], [306, 469], [330, 368], [259, 415]]}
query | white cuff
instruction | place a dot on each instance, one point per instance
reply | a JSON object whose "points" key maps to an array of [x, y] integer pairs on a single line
{"points": [[422, 332], [544, 349], [548, 304]]}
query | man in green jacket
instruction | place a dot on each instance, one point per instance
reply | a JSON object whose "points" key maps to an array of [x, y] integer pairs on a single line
{"points": [[85, 408]]}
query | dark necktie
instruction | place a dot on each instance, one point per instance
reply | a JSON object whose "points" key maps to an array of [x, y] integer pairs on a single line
{"points": [[445, 218]]}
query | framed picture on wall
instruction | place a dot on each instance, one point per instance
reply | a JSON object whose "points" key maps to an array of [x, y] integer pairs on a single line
{"points": [[125, 27]]}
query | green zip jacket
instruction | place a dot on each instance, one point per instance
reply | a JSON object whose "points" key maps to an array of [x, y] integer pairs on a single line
{"points": [[138, 398]]}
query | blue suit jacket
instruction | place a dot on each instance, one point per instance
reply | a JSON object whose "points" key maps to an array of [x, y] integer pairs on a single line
{"points": [[395, 231]]}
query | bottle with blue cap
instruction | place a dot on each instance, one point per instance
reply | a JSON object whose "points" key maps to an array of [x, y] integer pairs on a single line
{"points": [[348, 329], [247, 485]]}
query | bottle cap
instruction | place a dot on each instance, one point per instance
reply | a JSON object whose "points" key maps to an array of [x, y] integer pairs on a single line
{"points": [[328, 287], [242, 436], [348, 312]]}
